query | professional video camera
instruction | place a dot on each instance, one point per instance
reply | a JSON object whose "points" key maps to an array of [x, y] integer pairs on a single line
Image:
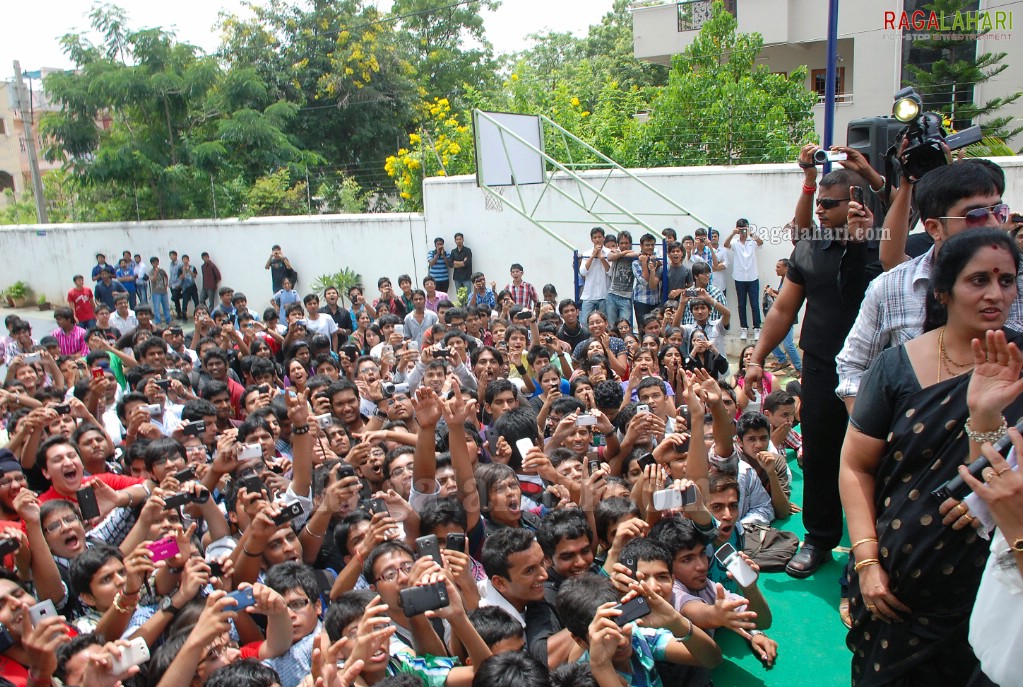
{"points": [[924, 135]]}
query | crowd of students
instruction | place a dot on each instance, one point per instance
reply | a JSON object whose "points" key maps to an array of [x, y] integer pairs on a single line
{"points": [[497, 489]]}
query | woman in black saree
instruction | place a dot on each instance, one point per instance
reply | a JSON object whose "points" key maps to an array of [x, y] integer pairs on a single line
{"points": [[922, 410]]}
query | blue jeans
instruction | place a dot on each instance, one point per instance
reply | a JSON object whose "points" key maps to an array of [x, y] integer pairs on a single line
{"points": [[618, 308], [161, 302], [142, 291], [590, 306], [750, 290], [793, 353]]}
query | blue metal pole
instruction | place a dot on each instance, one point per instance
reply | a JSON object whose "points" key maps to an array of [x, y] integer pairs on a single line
{"points": [[829, 89], [576, 288]]}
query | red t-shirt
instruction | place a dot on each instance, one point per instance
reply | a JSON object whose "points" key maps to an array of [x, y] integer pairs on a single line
{"points": [[81, 301], [17, 673], [251, 650], [115, 482]]}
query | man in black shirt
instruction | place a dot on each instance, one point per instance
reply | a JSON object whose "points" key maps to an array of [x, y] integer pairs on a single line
{"points": [[572, 331], [460, 259], [342, 318], [829, 271]]}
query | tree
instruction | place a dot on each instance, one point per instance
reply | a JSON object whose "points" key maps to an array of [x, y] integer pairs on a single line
{"points": [[952, 71], [339, 62], [720, 108], [433, 35], [180, 128]]}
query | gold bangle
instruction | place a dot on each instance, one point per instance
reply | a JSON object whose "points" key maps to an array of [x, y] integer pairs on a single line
{"points": [[311, 534], [121, 609], [864, 541], [865, 563]]}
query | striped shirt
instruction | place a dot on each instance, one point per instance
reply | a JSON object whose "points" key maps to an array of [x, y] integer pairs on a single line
{"points": [[439, 269], [73, 342], [524, 294]]}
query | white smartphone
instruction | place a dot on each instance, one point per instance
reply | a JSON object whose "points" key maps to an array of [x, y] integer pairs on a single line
{"points": [[323, 420], [666, 499], [585, 420], [250, 451], [642, 408], [136, 653], [524, 446], [744, 575], [42, 610], [399, 329], [153, 409]]}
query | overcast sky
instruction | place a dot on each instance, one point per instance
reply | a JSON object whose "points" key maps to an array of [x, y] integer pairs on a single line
{"points": [[32, 29]]}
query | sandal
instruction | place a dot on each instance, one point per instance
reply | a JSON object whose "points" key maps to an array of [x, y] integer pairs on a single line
{"points": [[843, 612]]}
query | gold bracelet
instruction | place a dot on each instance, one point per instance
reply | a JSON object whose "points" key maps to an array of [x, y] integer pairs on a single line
{"points": [[863, 541], [865, 563], [121, 609], [314, 536]]}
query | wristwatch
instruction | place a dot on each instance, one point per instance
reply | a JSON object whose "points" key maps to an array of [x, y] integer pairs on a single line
{"points": [[167, 606], [754, 633]]}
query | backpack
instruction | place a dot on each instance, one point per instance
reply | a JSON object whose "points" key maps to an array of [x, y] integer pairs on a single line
{"points": [[771, 548]]}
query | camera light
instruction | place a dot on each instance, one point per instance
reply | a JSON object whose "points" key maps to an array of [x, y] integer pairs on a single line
{"points": [[907, 105]]}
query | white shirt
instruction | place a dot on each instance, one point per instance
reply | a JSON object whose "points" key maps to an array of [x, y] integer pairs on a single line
{"points": [[489, 596], [595, 280], [720, 277], [125, 325], [745, 264], [323, 324]]}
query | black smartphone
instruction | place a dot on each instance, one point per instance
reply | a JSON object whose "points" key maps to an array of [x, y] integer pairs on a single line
{"points": [[252, 484], [6, 638], [632, 564], [175, 501], [645, 460], [194, 428], [429, 546], [455, 542], [62, 409], [264, 388], [418, 600], [632, 610], [216, 569], [378, 506], [8, 546], [288, 513], [186, 475], [163, 383], [856, 194], [594, 465], [87, 503], [683, 447], [345, 470]]}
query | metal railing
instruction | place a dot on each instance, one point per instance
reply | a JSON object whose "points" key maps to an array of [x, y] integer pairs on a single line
{"points": [[693, 14]]}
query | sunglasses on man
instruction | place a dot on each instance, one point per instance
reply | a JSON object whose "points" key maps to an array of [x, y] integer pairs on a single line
{"points": [[978, 216]]}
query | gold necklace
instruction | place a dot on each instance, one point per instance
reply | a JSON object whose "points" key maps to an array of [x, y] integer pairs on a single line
{"points": [[945, 361]]}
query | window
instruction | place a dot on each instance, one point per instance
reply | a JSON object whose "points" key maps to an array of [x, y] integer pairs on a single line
{"points": [[819, 81], [3, 126]]}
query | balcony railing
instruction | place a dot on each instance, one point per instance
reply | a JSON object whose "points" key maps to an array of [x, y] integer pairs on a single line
{"points": [[693, 14], [840, 99]]}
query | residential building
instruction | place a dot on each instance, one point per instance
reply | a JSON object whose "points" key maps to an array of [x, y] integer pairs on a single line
{"points": [[872, 50]]}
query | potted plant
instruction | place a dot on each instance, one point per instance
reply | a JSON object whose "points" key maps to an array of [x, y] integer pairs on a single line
{"points": [[17, 294], [43, 303]]}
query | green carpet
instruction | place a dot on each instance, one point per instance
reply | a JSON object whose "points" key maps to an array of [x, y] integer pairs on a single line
{"points": [[810, 635]]}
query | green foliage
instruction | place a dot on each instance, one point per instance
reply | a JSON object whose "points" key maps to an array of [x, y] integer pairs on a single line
{"points": [[463, 296], [274, 195], [436, 36], [182, 131], [954, 70], [18, 289], [989, 146], [341, 280], [342, 195], [720, 108]]}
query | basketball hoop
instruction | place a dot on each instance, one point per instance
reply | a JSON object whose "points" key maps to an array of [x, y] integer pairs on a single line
{"points": [[492, 203]]}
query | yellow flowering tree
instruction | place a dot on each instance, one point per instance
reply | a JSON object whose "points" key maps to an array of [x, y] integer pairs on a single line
{"points": [[442, 146]]}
